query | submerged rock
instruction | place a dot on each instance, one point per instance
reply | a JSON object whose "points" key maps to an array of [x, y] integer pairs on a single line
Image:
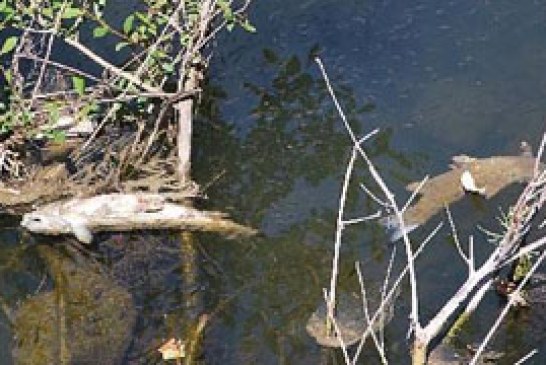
{"points": [[350, 319], [86, 319]]}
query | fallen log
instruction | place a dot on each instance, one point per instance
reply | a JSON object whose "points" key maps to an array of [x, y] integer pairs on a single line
{"points": [[125, 212]]}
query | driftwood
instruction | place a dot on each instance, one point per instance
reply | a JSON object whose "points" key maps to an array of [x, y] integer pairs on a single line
{"points": [[125, 212]]}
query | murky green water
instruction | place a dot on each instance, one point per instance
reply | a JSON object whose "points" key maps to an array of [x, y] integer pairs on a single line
{"points": [[438, 79]]}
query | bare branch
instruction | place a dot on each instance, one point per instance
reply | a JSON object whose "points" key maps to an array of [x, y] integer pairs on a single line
{"points": [[394, 290], [373, 197], [526, 357], [337, 330], [388, 194], [339, 232], [362, 219], [378, 343], [507, 307], [414, 194], [110, 67]]}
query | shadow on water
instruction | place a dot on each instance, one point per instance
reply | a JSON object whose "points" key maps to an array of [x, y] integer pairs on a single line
{"points": [[113, 303], [282, 174], [438, 79]]}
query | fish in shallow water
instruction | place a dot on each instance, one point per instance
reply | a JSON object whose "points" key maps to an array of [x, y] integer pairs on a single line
{"points": [[491, 174], [125, 212], [79, 216]]}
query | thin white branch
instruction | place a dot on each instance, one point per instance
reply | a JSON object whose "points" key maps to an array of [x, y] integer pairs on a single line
{"points": [[368, 136], [539, 154], [110, 67], [362, 219], [456, 237], [394, 289], [388, 194], [337, 330], [378, 344], [385, 289], [471, 257], [526, 357], [440, 319], [374, 197], [511, 301], [47, 61], [43, 66], [339, 233], [414, 194], [477, 297], [534, 246]]}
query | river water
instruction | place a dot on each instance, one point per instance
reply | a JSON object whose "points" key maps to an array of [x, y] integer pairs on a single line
{"points": [[437, 78]]}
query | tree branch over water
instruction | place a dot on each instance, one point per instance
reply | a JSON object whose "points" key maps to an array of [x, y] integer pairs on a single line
{"points": [[509, 248]]}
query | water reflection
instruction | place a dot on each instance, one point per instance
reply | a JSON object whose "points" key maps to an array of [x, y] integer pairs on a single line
{"points": [[443, 79], [86, 317], [282, 173], [295, 141]]}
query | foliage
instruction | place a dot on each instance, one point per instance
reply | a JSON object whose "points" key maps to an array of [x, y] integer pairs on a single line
{"points": [[161, 40]]}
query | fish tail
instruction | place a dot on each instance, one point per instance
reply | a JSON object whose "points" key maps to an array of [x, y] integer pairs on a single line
{"points": [[394, 229]]}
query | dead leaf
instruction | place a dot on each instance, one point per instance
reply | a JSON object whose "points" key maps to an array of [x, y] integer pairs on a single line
{"points": [[172, 349]]}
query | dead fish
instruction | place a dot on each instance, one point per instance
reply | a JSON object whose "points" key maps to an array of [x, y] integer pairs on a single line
{"points": [[125, 212], [78, 216], [491, 174]]}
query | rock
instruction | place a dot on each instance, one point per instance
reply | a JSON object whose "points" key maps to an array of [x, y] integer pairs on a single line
{"points": [[350, 319]]}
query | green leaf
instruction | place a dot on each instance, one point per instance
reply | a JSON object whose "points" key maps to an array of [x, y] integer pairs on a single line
{"points": [[121, 45], [185, 39], [70, 13], [48, 12], [79, 84], [152, 29], [159, 54], [99, 32], [53, 111], [144, 18], [128, 23], [55, 135], [226, 9], [86, 110], [248, 27], [8, 12], [7, 75], [9, 45], [168, 67]]}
